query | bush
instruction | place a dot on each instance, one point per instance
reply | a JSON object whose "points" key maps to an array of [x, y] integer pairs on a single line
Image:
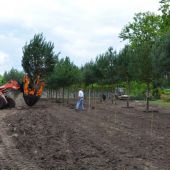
{"points": [[165, 97], [138, 90], [165, 91]]}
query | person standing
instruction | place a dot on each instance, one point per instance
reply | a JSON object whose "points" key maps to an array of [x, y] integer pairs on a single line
{"points": [[80, 102]]}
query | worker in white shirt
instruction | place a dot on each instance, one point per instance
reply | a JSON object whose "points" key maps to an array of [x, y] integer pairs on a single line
{"points": [[80, 102]]}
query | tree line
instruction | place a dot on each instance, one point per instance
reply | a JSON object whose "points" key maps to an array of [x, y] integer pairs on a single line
{"points": [[145, 58]]}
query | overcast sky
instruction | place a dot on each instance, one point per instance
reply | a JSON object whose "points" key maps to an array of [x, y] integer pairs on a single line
{"points": [[80, 29]]}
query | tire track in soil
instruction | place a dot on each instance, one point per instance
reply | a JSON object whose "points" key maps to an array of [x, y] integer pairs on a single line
{"points": [[88, 142], [140, 134], [89, 122], [86, 150], [10, 157]]}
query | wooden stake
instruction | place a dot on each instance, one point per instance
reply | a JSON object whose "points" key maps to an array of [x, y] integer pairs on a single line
{"points": [[152, 124], [89, 100], [115, 118]]}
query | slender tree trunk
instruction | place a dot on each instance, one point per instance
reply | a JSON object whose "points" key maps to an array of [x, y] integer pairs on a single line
{"points": [[53, 94], [75, 95], [92, 97], [89, 100], [128, 92], [68, 95], [47, 93], [147, 96], [63, 94], [56, 95]]}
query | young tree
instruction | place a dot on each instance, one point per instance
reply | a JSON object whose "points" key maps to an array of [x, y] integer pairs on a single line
{"points": [[142, 33], [64, 75], [38, 57], [145, 27], [106, 67], [126, 67]]}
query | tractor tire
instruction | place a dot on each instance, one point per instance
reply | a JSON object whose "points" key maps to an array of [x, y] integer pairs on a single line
{"points": [[2, 102], [11, 102], [30, 100]]}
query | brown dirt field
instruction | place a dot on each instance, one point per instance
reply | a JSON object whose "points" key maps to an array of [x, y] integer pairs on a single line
{"points": [[52, 136]]}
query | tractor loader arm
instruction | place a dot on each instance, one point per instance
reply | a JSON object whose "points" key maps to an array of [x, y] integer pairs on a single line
{"points": [[6, 101], [30, 95]]}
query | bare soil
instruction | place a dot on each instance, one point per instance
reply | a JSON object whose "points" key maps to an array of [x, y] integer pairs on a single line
{"points": [[53, 136]]}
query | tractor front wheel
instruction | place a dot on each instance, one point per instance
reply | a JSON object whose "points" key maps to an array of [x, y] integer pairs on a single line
{"points": [[2, 102]]}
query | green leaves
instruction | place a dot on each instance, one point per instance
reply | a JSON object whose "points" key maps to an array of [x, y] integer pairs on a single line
{"points": [[165, 18], [106, 64], [64, 75], [38, 57], [125, 64], [161, 57], [13, 74], [145, 27]]}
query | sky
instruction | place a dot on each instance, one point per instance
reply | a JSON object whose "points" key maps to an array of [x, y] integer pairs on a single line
{"points": [[80, 29]]}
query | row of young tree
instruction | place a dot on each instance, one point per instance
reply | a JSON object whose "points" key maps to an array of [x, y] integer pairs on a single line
{"points": [[146, 57]]}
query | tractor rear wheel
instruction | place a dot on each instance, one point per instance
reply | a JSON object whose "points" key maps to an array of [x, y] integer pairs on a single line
{"points": [[2, 102], [11, 102]]}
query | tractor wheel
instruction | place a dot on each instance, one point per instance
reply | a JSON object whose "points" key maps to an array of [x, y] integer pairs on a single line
{"points": [[31, 100], [11, 102], [2, 102]]}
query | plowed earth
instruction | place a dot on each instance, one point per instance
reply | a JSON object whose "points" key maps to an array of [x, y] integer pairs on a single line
{"points": [[52, 136]]}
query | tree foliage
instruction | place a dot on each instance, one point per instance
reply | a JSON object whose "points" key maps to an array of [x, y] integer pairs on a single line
{"points": [[165, 17], [89, 73], [1, 79], [13, 74], [161, 57], [38, 57], [145, 27], [125, 63], [64, 75], [106, 67]]}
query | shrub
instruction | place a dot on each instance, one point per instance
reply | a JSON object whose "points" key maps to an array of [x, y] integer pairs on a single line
{"points": [[165, 97]]}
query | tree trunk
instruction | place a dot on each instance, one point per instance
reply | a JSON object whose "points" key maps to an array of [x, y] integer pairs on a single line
{"points": [[147, 97], [68, 95], [89, 99], [128, 92], [63, 94], [56, 96]]}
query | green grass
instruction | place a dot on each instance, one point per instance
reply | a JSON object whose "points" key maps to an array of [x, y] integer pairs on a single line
{"points": [[161, 103]]}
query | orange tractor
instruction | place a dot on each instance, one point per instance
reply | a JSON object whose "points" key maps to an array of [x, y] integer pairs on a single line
{"points": [[30, 94]]}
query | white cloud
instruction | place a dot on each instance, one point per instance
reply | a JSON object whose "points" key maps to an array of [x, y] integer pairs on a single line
{"points": [[3, 58], [4, 62], [80, 29]]}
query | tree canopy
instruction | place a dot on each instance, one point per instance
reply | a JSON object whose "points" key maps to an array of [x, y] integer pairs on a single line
{"points": [[64, 75], [13, 74], [38, 57], [145, 27]]}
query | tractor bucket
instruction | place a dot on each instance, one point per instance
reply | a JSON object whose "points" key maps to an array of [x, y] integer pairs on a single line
{"points": [[32, 95], [30, 100]]}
